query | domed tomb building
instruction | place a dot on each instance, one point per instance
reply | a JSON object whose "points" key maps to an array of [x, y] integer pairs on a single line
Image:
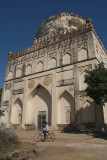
{"points": [[45, 82]]}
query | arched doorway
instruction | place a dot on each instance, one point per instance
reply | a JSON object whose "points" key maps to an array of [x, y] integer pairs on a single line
{"points": [[16, 113], [39, 107], [65, 109]]}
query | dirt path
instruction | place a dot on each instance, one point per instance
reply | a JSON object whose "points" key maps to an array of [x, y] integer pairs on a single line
{"points": [[69, 146]]}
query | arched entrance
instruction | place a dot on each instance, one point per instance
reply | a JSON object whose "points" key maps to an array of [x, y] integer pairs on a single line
{"points": [[16, 113], [65, 109], [39, 107]]}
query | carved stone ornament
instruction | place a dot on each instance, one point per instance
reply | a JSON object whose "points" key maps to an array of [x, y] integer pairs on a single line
{"points": [[70, 88], [81, 98], [47, 80], [31, 83]]}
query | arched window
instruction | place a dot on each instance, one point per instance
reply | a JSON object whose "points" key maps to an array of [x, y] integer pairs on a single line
{"points": [[52, 63], [66, 59], [40, 67]]}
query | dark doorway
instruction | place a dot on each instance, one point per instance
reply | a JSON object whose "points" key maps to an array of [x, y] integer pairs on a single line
{"points": [[41, 119]]}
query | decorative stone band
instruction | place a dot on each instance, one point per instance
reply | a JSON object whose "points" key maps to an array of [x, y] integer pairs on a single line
{"points": [[70, 88], [31, 83], [18, 91]]}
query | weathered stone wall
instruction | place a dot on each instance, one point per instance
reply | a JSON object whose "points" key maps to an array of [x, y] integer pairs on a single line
{"points": [[49, 76]]}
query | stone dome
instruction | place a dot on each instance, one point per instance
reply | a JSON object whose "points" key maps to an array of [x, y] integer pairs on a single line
{"points": [[63, 22]]}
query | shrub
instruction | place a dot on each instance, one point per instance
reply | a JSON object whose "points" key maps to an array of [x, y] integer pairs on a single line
{"points": [[8, 139]]}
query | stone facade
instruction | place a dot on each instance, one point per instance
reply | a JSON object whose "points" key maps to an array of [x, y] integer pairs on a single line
{"points": [[45, 82]]}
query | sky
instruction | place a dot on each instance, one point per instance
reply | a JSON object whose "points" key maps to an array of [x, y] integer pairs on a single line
{"points": [[21, 19]]}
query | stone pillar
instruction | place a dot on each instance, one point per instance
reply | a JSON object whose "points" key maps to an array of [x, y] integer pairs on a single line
{"points": [[54, 103], [76, 85], [46, 61], [10, 105], [24, 104], [23, 69], [76, 96], [14, 73]]}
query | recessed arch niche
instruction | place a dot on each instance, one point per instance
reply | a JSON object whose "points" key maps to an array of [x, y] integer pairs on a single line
{"points": [[29, 69], [40, 66], [18, 72], [10, 75], [66, 59], [52, 63], [82, 54], [65, 109], [16, 113]]}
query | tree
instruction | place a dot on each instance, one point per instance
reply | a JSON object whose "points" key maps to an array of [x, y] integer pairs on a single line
{"points": [[1, 110], [96, 80]]}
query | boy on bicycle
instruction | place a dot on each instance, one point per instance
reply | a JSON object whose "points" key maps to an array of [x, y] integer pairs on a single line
{"points": [[45, 130]]}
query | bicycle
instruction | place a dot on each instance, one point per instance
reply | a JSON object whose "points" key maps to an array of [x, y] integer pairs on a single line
{"points": [[50, 137]]}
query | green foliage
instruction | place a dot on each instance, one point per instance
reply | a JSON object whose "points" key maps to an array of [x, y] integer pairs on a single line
{"points": [[8, 139], [96, 80], [1, 110]]}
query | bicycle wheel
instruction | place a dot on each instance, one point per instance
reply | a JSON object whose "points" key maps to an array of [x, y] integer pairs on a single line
{"points": [[50, 137], [37, 137]]}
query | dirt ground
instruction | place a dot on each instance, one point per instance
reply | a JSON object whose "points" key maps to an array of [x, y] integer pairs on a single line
{"points": [[69, 146]]}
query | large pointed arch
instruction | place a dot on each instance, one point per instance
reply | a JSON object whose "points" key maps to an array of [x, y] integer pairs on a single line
{"points": [[33, 92], [16, 112], [65, 106], [39, 101]]}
